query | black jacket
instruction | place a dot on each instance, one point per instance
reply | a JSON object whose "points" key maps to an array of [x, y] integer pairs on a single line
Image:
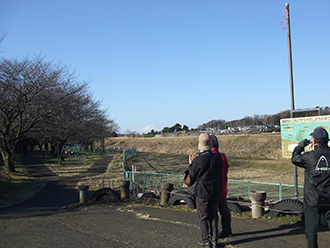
{"points": [[317, 174], [206, 170]]}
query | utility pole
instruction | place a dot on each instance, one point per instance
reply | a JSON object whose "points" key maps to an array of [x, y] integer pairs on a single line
{"points": [[292, 88], [290, 54]]}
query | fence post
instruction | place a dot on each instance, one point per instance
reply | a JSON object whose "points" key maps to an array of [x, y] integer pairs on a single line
{"points": [[258, 203], [144, 181], [125, 190], [83, 196], [166, 189], [133, 180]]}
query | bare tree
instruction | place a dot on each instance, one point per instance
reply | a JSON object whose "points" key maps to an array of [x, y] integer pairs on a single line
{"points": [[2, 38], [68, 114], [46, 103], [131, 133], [23, 87], [76, 118]]}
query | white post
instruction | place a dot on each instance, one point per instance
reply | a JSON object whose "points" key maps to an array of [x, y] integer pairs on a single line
{"points": [[258, 203], [133, 180]]}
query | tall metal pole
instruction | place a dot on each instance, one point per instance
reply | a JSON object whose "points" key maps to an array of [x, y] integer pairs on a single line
{"points": [[290, 55], [292, 89]]}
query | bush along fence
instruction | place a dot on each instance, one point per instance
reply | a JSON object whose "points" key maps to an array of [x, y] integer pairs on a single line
{"points": [[151, 181]]}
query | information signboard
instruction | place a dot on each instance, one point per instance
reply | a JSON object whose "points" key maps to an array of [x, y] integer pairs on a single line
{"points": [[294, 130]]}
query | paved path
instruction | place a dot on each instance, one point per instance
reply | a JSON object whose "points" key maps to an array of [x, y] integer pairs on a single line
{"points": [[122, 225], [58, 191], [42, 222]]}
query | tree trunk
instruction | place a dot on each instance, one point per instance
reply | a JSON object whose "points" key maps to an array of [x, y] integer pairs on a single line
{"points": [[53, 150], [58, 149], [8, 159], [92, 146], [103, 145]]}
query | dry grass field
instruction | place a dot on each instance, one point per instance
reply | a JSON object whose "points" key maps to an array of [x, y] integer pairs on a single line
{"points": [[251, 157]]}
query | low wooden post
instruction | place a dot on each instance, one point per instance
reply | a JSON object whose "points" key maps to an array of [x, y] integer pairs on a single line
{"points": [[258, 203], [166, 189], [125, 190], [83, 193]]}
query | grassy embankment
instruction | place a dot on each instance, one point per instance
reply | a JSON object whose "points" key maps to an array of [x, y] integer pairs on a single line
{"points": [[251, 157]]}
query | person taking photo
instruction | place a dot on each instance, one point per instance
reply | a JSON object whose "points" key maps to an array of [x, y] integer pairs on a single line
{"points": [[317, 181]]}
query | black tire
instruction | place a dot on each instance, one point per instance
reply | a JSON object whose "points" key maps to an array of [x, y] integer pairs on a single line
{"points": [[148, 195], [105, 194], [235, 207], [287, 206], [181, 198], [188, 193]]}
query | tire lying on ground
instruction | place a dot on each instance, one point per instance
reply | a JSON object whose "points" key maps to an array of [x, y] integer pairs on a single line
{"points": [[182, 197], [105, 194], [235, 207], [287, 206], [149, 195]]}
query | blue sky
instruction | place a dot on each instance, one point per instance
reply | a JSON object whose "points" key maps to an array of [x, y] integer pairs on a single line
{"points": [[158, 63]]}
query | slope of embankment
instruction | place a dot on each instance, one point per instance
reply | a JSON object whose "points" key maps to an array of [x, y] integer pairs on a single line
{"points": [[250, 146], [251, 157]]}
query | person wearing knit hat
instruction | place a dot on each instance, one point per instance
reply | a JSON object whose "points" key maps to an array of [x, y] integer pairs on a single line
{"points": [[204, 142], [317, 181], [205, 171]]}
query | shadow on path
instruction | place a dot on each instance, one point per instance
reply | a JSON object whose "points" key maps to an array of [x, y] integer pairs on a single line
{"points": [[262, 234], [57, 193]]}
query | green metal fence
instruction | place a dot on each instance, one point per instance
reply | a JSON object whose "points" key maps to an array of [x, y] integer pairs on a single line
{"points": [[275, 191], [127, 154], [111, 150], [152, 181]]}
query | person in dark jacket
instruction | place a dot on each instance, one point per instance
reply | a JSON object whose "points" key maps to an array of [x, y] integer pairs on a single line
{"points": [[223, 205], [317, 181], [206, 172]]}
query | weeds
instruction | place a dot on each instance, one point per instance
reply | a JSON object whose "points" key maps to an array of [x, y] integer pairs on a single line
{"points": [[18, 186], [289, 219], [70, 166]]}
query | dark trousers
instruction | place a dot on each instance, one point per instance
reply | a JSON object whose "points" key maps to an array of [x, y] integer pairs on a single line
{"points": [[225, 216], [312, 217], [208, 222]]}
